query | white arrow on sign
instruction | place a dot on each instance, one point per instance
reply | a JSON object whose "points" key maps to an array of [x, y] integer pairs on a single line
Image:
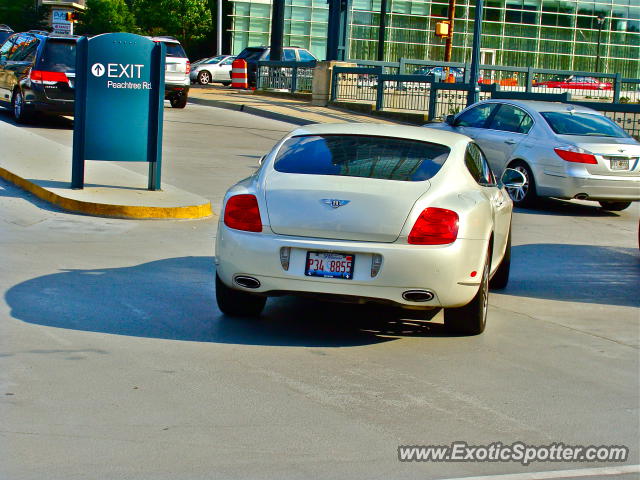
{"points": [[98, 69]]}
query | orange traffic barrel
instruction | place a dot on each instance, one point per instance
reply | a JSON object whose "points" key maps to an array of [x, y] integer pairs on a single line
{"points": [[239, 74]]}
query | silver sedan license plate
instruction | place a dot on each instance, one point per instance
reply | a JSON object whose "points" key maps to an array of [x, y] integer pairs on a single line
{"points": [[620, 164], [330, 265]]}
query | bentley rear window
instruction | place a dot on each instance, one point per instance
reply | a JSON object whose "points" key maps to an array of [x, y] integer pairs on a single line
{"points": [[361, 156]]}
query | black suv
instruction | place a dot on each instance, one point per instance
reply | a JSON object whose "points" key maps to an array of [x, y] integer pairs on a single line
{"points": [[252, 55], [5, 32], [37, 73]]}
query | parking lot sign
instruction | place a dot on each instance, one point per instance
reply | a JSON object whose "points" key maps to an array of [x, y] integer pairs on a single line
{"points": [[60, 23], [119, 103]]}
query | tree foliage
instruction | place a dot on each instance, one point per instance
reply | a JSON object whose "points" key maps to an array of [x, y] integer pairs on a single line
{"points": [[103, 16], [188, 20], [22, 15]]}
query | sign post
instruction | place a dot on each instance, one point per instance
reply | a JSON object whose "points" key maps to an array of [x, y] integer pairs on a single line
{"points": [[119, 103]]}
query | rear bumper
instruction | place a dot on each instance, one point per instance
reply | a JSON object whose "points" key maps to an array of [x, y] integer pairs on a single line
{"points": [[176, 89], [443, 270], [51, 106], [578, 182]]}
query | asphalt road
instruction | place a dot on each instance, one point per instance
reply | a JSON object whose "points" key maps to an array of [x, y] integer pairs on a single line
{"points": [[115, 362]]}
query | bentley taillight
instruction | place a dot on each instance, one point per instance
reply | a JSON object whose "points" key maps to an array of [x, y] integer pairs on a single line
{"points": [[435, 226], [242, 213]]}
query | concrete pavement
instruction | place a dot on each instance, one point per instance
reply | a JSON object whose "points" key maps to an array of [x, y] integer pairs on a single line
{"points": [[284, 108]]}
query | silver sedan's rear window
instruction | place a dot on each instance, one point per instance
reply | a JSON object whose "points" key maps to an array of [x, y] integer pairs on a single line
{"points": [[361, 156], [584, 124]]}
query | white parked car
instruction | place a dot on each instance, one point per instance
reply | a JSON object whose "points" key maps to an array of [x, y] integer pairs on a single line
{"points": [[407, 216], [564, 151], [212, 70]]}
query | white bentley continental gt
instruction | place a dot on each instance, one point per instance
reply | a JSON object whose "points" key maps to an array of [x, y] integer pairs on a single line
{"points": [[407, 216]]}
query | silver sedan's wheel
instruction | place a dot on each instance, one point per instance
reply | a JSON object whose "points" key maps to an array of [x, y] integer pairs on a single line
{"points": [[526, 194], [204, 77]]}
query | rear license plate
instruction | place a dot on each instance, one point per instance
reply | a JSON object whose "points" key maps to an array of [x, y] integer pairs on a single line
{"points": [[329, 265], [620, 164]]}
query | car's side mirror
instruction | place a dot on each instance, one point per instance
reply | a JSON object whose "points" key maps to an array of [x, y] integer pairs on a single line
{"points": [[512, 178], [449, 119]]}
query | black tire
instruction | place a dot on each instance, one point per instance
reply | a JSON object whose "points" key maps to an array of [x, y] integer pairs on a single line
{"points": [[178, 101], [237, 303], [500, 278], [472, 318], [226, 84], [204, 77], [17, 108], [614, 206], [525, 196]]}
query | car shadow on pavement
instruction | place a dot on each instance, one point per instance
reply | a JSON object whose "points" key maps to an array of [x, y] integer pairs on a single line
{"points": [[575, 273], [175, 299], [566, 208], [39, 121]]}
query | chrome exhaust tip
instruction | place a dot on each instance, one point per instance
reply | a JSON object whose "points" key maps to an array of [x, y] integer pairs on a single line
{"points": [[418, 295], [246, 282]]}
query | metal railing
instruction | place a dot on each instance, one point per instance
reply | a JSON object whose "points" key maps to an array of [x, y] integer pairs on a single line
{"points": [[616, 97], [292, 77]]}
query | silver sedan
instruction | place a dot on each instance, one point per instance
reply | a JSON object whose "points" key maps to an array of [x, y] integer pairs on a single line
{"points": [[564, 151], [368, 213], [215, 69]]}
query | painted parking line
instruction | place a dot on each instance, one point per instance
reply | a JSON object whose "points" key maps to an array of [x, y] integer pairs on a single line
{"points": [[586, 472]]}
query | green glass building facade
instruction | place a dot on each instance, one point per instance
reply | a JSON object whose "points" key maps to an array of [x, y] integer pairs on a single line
{"points": [[555, 34]]}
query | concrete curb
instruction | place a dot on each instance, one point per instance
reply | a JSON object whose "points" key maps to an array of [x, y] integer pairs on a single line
{"points": [[108, 210]]}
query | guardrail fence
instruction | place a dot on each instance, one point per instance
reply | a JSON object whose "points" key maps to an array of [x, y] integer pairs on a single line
{"points": [[290, 76], [440, 88]]}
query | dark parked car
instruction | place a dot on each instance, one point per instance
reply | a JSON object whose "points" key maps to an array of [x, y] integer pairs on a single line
{"points": [[37, 73], [5, 32], [440, 74], [252, 55]]}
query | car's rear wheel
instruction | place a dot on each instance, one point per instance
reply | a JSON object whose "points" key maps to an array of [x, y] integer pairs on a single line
{"points": [[204, 77], [500, 279], [236, 303], [178, 101], [17, 103], [614, 206], [472, 318], [525, 195]]}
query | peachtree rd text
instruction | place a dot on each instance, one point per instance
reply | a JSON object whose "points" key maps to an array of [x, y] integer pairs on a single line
{"points": [[515, 452]]}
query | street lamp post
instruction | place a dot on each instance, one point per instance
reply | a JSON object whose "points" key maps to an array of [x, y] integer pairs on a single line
{"points": [[449, 38], [219, 29], [601, 18], [473, 96]]}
